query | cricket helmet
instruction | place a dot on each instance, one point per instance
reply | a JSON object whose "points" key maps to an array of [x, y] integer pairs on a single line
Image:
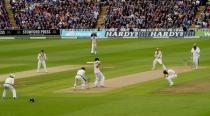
{"points": [[83, 68], [97, 59], [165, 72], [12, 75]]}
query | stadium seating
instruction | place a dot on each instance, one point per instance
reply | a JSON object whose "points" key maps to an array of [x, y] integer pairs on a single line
{"points": [[55, 14], [204, 20], [4, 18], [151, 13], [83, 14]]}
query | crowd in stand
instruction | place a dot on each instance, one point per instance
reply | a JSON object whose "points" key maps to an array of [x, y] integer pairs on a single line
{"points": [[151, 13], [204, 20], [55, 14], [4, 18], [83, 14]]}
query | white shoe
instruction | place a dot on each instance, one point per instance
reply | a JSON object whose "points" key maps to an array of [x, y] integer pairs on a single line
{"points": [[74, 88], [83, 88]]}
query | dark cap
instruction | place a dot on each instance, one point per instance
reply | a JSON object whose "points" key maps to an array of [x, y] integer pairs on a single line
{"points": [[12, 75], [97, 59], [83, 68], [165, 72]]}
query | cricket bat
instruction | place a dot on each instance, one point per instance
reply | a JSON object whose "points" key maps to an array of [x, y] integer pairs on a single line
{"points": [[89, 62]]}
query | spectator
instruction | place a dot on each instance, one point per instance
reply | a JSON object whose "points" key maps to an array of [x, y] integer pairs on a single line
{"points": [[204, 20], [4, 18], [55, 14], [151, 13]]}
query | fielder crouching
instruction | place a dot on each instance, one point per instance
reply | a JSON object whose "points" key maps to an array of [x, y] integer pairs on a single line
{"points": [[169, 75], [9, 84], [80, 76]]}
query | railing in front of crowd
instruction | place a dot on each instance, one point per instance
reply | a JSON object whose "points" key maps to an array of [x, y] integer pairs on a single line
{"points": [[105, 33], [137, 33]]}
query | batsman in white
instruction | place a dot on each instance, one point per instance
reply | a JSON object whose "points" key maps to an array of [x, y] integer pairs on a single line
{"points": [[9, 84], [195, 55], [169, 75], [99, 81], [42, 57], [93, 43], [158, 58], [80, 76]]}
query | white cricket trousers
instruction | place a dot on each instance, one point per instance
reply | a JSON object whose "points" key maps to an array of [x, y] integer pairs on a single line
{"points": [[195, 61], [93, 48], [170, 79], [81, 79], [12, 89], [41, 63], [99, 79], [156, 61]]}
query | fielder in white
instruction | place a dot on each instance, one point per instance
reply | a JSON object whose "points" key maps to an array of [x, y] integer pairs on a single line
{"points": [[42, 57], [9, 84], [93, 43], [80, 76], [195, 55], [99, 81], [169, 75], [158, 58]]}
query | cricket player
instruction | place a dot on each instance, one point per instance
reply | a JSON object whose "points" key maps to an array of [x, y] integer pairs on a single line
{"points": [[195, 55], [169, 75], [93, 43], [158, 58], [99, 81], [42, 57], [80, 76], [9, 84]]}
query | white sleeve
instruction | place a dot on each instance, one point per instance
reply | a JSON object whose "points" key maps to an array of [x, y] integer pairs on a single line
{"points": [[38, 56], [45, 56], [83, 73], [12, 81], [198, 50], [192, 50], [160, 54], [172, 72], [98, 63], [155, 54]]}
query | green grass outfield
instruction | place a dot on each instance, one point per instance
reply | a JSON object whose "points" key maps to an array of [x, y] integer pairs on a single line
{"points": [[123, 57]]}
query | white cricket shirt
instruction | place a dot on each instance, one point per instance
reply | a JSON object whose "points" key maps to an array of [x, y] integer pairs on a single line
{"points": [[81, 72], [158, 54], [96, 66], [9, 80], [195, 53]]}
